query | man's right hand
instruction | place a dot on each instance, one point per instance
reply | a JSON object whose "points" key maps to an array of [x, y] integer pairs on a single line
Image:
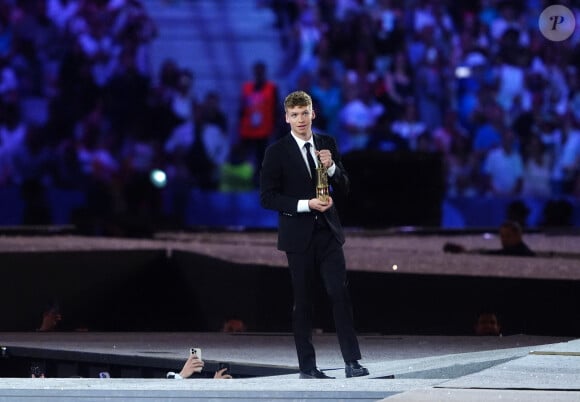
{"points": [[316, 205]]}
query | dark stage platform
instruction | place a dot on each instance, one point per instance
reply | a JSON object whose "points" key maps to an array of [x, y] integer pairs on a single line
{"points": [[404, 368], [144, 302], [400, 283]]}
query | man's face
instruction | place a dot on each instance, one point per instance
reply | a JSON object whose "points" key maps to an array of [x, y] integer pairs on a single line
{"points": [[300, 120]]}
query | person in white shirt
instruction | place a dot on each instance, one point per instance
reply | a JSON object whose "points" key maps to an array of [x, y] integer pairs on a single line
{"points": [[504, 168]]}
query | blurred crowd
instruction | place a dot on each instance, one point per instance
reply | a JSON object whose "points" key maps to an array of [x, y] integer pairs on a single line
{"points": [[474, 81], [81, 108]]}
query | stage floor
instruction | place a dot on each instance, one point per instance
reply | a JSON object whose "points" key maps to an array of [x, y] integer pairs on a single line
{"points": [[513, 368], [425, 368]]}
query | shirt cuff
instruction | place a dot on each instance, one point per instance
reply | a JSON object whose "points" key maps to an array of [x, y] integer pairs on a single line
{"points": [[303, 206], [173, 375], [330, 171]]}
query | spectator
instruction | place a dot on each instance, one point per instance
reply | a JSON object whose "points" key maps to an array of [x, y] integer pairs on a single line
{"points": [[326, 62], [409, 126], [511, 73], [448, 132], [125, 95], [100, 48], [396, 87], [61, 12], [135, 30], [489, 125], [213, 129], [31, 159], [308, 32], [51, 318], [517, 211], [13, 137], [461, 169], [384, 139], [567, 158], [328, 93], [258, 113], [234, 325], [183, 100], [358, 118], [487, 324], [537, 169], [430, 89], [388, 33], [9, 84], [512, 243], [503, 168], [360, 72]]}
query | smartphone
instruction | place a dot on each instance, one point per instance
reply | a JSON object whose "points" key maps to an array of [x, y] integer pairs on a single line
{"points": [[195, 351]]}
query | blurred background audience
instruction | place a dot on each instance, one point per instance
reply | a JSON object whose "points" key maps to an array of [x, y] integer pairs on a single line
{"points": [[476, 82]]}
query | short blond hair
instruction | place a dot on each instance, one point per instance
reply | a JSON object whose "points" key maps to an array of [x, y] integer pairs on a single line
{"points": [[297, 98]]}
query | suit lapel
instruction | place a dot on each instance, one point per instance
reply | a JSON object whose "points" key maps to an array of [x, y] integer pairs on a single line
{"points": [[295, 156], [317, 142]]}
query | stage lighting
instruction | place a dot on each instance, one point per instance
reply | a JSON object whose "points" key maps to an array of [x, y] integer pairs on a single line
{"points": [[158, 178], [462, 72]]}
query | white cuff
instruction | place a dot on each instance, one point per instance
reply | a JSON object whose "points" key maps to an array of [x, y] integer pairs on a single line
{"points": [[303, 206], [173, 375]]}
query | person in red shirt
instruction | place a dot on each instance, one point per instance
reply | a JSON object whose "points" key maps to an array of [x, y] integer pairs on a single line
{"points": [[258, 113]]}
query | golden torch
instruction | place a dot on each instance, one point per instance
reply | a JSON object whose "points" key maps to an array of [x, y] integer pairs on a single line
{"points": [[322, 189]]}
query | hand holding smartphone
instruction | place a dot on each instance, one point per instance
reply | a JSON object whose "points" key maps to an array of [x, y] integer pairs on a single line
{"points": [[37, 370], [196, 352]]}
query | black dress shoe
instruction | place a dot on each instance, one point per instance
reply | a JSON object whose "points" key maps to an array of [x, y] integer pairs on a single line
{"points": [[313, 373], [354, 369]]}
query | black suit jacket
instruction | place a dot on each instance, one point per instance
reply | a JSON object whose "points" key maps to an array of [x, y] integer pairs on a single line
{"points": [[284, 179]]}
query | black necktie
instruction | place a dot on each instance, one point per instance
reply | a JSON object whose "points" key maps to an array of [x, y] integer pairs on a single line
{"points": [[310, 160]]}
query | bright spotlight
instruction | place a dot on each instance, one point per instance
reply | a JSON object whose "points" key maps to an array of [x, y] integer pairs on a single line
{"points": [[158, 178]]}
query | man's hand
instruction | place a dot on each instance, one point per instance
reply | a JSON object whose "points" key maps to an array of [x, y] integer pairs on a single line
{"points": [[192, 365], [325, 158], [316, 205]]}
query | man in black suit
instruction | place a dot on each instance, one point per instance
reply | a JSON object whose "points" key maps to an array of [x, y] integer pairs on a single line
{"points": [[309, 229]]}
